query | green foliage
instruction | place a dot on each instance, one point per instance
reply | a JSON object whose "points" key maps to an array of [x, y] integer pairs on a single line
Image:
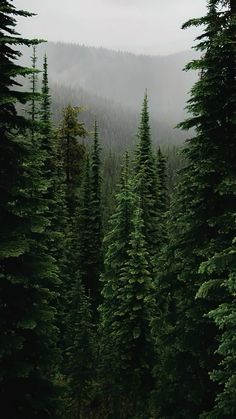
{"points": [[126, 311], [222, 268], [80, 358], [201, 225], [73, 151], [88, 224], [29, 277], [147, 186]]}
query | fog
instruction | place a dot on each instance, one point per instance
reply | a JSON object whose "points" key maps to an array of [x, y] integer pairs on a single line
{"points": [[139, 26]]}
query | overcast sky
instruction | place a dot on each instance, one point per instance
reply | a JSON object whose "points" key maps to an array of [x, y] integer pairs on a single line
{"points": [[140, 26]]}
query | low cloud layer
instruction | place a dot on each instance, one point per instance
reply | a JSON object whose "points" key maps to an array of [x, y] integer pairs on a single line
{"points": [[140, 26]]}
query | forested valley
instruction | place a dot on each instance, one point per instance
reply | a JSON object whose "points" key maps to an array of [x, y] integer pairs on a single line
{"points": [[117, 238]]}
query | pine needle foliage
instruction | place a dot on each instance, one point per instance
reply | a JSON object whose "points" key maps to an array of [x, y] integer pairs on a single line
{"points": [[147, 185], [127, 308], [28, 273], [201, 224]]}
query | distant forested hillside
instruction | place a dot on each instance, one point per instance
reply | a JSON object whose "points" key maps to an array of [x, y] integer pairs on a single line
{"points": [[110, 86]]}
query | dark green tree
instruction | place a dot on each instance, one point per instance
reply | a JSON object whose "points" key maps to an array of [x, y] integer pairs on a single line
{"points": [[80, 353], [96, 213], [225, 318], [116, 243], [88, 225], [147, 185], [162, 182], [28, 273], [70, 131], [83, 232], [126, 311], [202, 225]]}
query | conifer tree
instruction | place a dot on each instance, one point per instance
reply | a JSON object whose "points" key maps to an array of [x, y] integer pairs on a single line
{"points": [[80, 354], [83, 233], [57, 213], [224, 316], [70, 131], [33, 111], [28, 274], [45, 118], [88, 225], [162, 182], [116, 244], [59, 231], [127, 310], [147, 185], [202, 224], [96, 214]]}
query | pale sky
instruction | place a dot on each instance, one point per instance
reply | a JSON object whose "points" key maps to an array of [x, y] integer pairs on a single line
{"points": [[139, 26]]}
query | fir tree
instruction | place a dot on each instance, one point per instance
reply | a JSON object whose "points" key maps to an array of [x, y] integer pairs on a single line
{"points": [[96, 213], [162, 182], [116, 244], [80, 352], [126, 312], [83, 237], [28, 274], [70, 131], [225, 318], [202, 224], [147, 184], [88, 225]]}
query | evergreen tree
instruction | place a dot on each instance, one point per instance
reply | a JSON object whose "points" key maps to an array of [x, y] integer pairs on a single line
{"points": [[83, 232], [126, 311], [202, 224], [147, 184], [225, 318], [28, 273], [88, 225], [53, 171], [162, 182], [80, 352], [45, 118], [96, 215], [72, 152], [116, 244]]}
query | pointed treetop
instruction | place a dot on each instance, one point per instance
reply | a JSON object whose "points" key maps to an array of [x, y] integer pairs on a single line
{"points": [[125, 170]]}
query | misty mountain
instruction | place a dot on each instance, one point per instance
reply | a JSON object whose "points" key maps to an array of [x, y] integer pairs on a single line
{"points": [[111, 85]]}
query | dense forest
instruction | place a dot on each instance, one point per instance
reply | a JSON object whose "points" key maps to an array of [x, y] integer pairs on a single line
{"points": [[117, 256]]}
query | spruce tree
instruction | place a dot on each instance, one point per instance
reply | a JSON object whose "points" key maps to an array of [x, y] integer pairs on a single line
{"points": [[80, 353], [116, 243], [202, 224], [28, 273], [225, 318], [70, 131], [126, 311], [162, 182], [96, 215], [147, 185], [88, 225], [83, 233]]}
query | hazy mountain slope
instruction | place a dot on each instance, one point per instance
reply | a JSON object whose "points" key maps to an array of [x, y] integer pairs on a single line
{"points": [[118, 125], [122, 77], [111, 85]]}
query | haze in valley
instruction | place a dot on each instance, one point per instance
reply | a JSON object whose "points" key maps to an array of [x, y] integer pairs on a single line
{"points": [[103, 54]]}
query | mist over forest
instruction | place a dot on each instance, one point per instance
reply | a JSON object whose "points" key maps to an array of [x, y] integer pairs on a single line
{"points": [[110, 85]]}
